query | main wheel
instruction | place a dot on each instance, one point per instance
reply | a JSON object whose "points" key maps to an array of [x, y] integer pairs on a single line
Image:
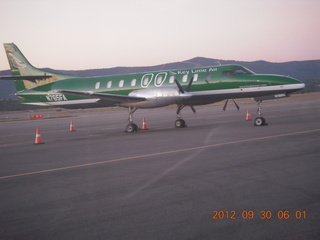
{"points": [[131, 127], [180, 123], [259, 121]]}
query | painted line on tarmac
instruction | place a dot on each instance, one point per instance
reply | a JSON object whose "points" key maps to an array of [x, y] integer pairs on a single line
{"points": [[160, 153]]}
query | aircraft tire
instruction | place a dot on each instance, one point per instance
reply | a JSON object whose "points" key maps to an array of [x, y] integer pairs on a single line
{"points": [[180, 123], [131, 128], [260, 121]]}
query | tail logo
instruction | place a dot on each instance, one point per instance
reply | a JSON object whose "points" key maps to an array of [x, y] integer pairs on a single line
{"points": [[15, 61]]}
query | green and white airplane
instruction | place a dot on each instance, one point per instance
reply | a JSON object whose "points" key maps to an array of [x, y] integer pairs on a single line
{"points": [[182, 87]]}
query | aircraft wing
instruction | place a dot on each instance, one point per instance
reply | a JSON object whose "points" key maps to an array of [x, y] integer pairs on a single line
{"points": [[103, 96]]}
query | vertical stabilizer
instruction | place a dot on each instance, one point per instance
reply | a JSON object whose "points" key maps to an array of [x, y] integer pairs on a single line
{"points": [[20, 66]]}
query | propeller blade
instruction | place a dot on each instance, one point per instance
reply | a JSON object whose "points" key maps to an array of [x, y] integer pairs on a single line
{"points": [[193, 109], [189, 85], [236, 104], [179, 86], [225, 105]]}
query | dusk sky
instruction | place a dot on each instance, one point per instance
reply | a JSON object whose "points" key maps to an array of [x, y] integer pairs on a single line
{"points": [[87, 34]]}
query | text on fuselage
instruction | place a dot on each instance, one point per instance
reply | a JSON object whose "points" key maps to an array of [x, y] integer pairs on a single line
{"points": [[204, 70]]}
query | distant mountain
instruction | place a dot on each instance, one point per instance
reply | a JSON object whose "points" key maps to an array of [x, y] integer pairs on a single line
{"points": [[7, 88], [306, 71]]}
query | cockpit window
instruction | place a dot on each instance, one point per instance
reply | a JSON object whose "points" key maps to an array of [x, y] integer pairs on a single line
{"points": [[227, 73], [237, 71], [240, 71]]}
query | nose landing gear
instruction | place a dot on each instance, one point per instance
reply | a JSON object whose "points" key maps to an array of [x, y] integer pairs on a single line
{"points": [[180, 123], [260, 121]]}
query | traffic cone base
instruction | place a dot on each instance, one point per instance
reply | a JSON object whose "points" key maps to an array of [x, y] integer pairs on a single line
{"points": [[38, 139], [144, 124]]}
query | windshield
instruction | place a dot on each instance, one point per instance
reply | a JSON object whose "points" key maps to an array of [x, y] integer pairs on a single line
{"points": [[237, 71]]}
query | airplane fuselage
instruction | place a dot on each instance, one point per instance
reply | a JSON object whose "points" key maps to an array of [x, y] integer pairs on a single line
{"points": [[210, 84]]}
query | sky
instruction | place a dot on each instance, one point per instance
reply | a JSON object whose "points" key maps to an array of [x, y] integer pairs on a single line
{"points": [[89, 34]]}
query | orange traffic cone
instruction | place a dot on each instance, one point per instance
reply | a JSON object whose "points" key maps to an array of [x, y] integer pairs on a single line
{"points": [[38, 139], [248, 117], [71, 129], [144, 124]]}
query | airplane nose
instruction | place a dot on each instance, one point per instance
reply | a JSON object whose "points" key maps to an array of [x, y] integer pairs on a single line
{"points": [[298, 85]]}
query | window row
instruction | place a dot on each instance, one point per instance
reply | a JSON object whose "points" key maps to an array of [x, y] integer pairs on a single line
{"points": [[147, 79], [120, 84]]}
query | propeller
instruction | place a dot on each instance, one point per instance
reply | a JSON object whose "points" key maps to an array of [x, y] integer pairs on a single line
{"points": [[181, 106], [189, 85], [180, 87], [225, 105]]}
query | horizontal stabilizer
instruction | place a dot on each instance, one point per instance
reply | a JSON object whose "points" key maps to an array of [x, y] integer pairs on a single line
{"points": [[30, 77], [102, 96]]}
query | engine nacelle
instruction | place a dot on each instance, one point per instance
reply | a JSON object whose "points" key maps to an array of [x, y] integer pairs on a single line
{"points": [[158, 97]]}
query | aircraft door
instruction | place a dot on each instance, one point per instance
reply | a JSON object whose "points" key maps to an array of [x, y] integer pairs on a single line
{"points": [[146, 80]]}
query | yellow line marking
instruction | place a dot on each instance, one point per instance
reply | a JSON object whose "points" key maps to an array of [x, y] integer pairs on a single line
{"points": [[160, 153]]}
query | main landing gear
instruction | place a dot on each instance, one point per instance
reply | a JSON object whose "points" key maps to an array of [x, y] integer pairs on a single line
{"points": [[260, 121], [180, 123], [131, 127]]}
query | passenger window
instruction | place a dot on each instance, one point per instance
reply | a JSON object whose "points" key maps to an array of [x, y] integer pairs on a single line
{"points": [[146, 79], [121, 83], [160, 78], [208, 76], [133, 82], [195, 77], [109, 84], [185, 78], [97, 86], [171, 79]]}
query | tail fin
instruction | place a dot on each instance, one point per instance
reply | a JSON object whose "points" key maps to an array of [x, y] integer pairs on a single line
{"points": [[27, 76]]}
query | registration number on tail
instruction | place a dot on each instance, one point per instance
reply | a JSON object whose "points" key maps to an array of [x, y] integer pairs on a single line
{"points": [[56, 98]]}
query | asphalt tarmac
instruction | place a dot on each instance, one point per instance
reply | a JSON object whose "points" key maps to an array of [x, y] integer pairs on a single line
{"points": [[219, 178]]}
